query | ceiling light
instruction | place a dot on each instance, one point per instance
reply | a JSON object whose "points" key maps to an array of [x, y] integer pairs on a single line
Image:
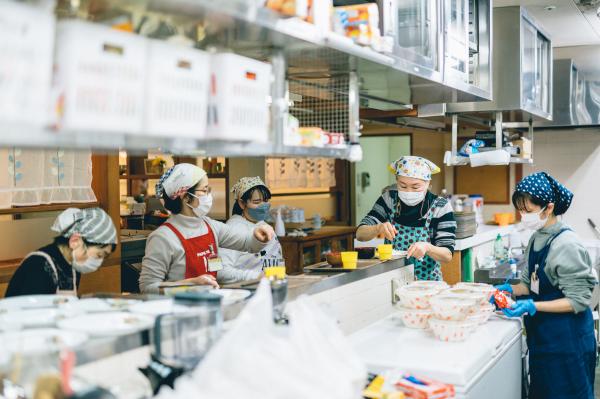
{"points": [[550, 8]]}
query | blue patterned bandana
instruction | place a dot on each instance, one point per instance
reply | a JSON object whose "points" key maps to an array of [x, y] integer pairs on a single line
{"points": [[545, 188]]}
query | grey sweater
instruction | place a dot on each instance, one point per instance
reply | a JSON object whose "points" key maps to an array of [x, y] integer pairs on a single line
{"points": [[568, 266], [164, 259]]}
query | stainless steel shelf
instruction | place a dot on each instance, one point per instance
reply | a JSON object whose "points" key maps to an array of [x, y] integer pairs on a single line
{"points": [[513, 160], [18, 135], [254, 31]]}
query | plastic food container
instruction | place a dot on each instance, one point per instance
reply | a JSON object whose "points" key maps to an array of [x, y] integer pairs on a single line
{"points": [[416, 297], [478, 287], [438, 285], [483, 314], [447, 307], [452, 331], [415, 318], [481, 297]]}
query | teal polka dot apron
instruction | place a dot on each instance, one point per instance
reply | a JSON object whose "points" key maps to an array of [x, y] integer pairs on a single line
{"points": [[427, 268]]}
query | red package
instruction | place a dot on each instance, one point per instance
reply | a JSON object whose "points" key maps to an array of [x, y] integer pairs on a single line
{"points": [[424, 388], [503, 299]]}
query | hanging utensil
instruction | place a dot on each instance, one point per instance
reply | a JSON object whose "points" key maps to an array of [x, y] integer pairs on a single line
{"points": [[594, 226]]}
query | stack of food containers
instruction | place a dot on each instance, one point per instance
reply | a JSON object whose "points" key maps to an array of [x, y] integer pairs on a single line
{"points": [[452, 314]]}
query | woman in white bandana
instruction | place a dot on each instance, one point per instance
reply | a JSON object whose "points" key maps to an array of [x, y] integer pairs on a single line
{"points": [[413, 219], [184, 250], [250, 210], [85, 238]]}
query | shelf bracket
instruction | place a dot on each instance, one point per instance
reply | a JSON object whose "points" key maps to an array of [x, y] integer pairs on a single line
{"points": [[499, 130], [279, 99], [454, 135], [353, 108]]}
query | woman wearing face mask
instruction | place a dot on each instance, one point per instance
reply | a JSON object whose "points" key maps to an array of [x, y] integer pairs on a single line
{"points": [[413, 219], [558, 283], [251, 209], [184, 250], [86, 237]]}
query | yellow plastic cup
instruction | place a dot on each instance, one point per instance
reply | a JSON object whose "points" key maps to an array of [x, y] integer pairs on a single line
{"points": [[349, 259], [277, 272], [384, 251]]}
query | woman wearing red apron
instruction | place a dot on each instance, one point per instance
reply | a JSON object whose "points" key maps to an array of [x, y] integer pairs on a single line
{"points": [[184, 250], [556, 291]]}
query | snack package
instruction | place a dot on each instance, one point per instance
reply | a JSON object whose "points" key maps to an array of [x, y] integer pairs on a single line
{"points": [[424, 388], [359, 22], [503, 299], [298, 8]]}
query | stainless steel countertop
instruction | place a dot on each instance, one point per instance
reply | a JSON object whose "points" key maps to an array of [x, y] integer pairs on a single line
{"points": [[311, 283]]}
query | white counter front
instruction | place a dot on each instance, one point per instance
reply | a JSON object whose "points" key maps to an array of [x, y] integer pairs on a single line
{"points": [[485, 233], [486, 365]]}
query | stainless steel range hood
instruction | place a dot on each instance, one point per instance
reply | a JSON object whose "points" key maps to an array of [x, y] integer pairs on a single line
{"points": [[570, 92]]}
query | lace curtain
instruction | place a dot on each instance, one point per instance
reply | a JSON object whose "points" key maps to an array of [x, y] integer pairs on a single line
{"points": [[34, 177]]}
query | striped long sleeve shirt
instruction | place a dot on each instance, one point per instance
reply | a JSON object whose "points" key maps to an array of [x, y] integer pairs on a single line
{"points": [[442, 230]]}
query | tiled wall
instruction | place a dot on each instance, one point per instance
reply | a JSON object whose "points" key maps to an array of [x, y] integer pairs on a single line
{"points": [[359, 304], [573, 157]]}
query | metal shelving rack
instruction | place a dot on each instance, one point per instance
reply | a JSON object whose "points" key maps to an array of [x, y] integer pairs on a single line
{"points": [[297, 50]]}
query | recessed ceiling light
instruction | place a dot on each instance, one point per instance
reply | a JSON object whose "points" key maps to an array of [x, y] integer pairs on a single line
{"points": [[550, 8]]}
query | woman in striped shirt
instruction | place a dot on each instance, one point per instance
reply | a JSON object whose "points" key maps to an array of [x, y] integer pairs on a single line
{"points": [[413, 219]]}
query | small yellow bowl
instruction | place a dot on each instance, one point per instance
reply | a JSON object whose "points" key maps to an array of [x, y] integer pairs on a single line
{"points": [[384, 251]]}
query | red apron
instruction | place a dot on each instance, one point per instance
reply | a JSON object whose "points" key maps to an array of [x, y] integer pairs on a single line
{"points": [[198, 250]]}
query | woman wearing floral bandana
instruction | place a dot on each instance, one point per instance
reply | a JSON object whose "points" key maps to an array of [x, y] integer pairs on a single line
{"points": [[184, 250], [413, 219], [558, 288], [251, 209]]}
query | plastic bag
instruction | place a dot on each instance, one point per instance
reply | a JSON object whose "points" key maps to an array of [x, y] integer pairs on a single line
{"points": [[308, 358]]}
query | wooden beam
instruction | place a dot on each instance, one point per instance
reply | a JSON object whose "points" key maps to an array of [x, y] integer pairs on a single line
{"points": [[369, 113]]}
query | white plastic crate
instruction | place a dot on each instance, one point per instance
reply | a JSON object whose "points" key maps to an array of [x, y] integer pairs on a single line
{"points": [[99, 78], [177, 96], [238, 102], [26, 46]]}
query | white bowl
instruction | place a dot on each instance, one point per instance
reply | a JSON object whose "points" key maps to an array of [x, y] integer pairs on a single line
{"points": [[447, 307], [452, 331], [416, 297], [488, 289], [415, 318], [438, 285], [481, 297]]}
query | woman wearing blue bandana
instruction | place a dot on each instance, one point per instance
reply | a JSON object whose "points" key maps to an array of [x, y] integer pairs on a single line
{"points": [[250, 210], [558, 287]]}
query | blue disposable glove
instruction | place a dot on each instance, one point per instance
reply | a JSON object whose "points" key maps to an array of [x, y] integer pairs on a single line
{"points": [[520, 308], [504, 287]]}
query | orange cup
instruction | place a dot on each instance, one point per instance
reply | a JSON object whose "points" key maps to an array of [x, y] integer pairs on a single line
{"points": [[504, 219]]}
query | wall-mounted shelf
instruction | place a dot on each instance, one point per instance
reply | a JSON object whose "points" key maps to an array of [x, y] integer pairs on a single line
{"points": [[46, 208], [139, 177]]}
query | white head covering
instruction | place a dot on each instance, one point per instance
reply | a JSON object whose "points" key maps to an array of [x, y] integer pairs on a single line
{"points": [[93, 224], [177, 180], [415, 167], [245, 184]]}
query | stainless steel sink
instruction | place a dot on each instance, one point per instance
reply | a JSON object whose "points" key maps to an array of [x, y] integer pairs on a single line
{"points": [[498, 274]]}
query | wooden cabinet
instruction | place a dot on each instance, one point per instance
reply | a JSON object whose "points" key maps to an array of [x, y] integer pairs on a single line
{"points": [[305, 251]]}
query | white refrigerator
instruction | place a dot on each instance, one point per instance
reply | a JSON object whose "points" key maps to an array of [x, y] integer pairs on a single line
{"points": [[485, 366]]}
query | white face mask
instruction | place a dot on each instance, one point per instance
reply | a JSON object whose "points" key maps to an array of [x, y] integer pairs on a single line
{"points": [[90, 265], [533, 221], [204, 206], [411, 198]]}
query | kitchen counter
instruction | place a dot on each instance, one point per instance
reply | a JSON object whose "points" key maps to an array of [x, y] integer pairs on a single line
{"points": [[314, 283], [484, 234]]}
